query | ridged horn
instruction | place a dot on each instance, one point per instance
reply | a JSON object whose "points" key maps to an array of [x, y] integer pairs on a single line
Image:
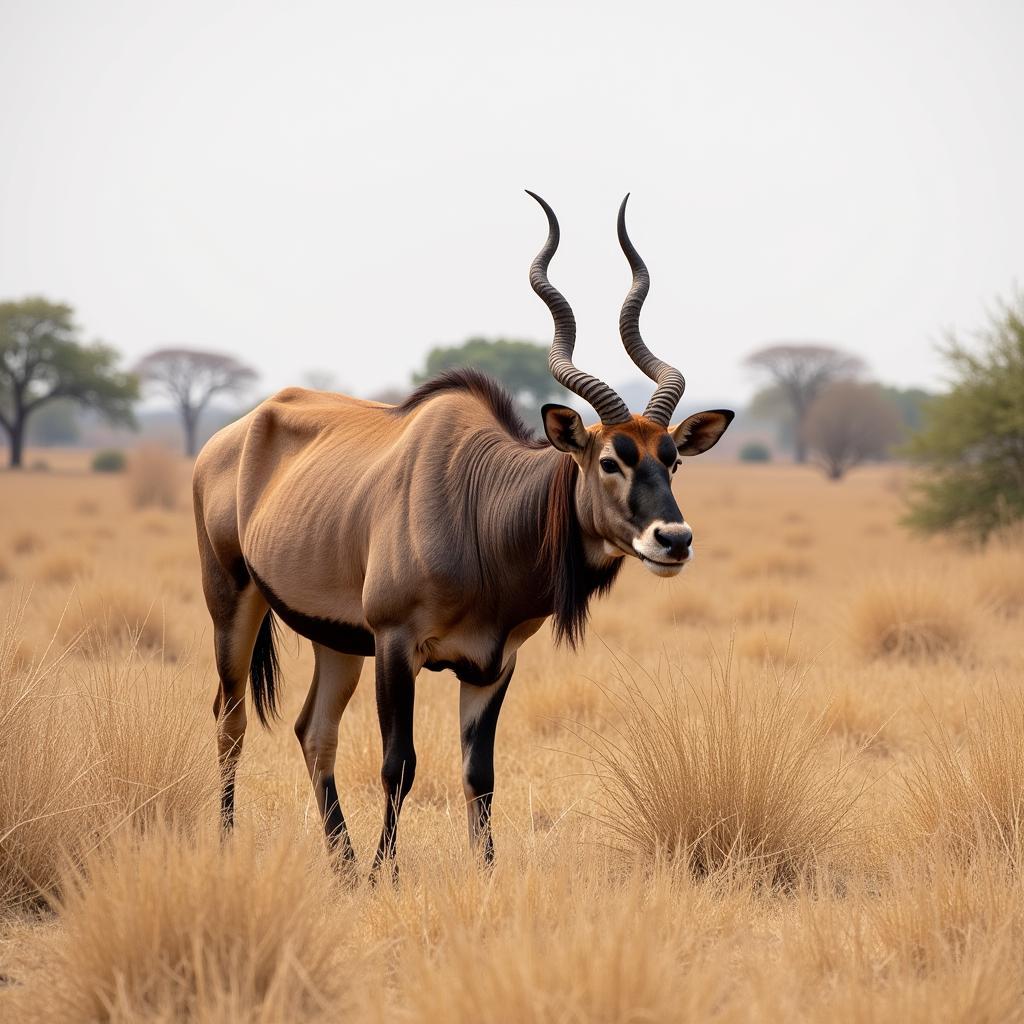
{"points": [[605, 402], [670, 381]]}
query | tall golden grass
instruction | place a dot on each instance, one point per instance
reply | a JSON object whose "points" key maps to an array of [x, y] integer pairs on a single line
{"points": [[87, 752], [241, 933], [827, 831], [727, 776]]}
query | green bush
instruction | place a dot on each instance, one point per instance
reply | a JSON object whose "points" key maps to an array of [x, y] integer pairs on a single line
{"points": [[755, 451], [972, 442], [110, 460]]}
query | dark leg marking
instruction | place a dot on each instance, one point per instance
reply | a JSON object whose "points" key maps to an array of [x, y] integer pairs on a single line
{"points": [[479, 708], [395, 700]]}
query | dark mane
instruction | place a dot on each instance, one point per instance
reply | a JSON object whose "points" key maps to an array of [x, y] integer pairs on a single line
{"points": [[542, 520], [482, 387], [562, 559]]}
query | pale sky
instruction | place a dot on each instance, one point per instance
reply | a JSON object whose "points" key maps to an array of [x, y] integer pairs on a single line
{"points": [[339, 185]]}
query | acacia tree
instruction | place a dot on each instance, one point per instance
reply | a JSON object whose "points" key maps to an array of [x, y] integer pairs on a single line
{"points": [[42, 360], [972, 441], [799, 372], [849, 423], [191, 377]]}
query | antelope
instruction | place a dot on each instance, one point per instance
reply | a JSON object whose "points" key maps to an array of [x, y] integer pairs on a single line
{"points": [[438, 534]]}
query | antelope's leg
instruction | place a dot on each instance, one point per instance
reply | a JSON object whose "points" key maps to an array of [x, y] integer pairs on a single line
{"points": [[334, 681], [396, 680], [479, 707], [233, 641]]}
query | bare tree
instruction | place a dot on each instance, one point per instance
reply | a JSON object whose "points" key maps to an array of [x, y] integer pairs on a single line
{"points": [[800, 371], [850, 422], [192, 377]]}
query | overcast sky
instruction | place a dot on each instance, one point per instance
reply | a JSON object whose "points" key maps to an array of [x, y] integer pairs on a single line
{"points": [[339, 185]]}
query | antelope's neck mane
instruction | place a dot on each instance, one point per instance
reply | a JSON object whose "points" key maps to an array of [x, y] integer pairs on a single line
{"points": [[508, 500]]}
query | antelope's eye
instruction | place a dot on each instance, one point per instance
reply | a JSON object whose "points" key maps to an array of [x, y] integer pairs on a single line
{"points": [[610, 466]]}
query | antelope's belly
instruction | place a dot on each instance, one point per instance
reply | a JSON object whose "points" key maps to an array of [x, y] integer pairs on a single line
{"points": [[476, 652]]}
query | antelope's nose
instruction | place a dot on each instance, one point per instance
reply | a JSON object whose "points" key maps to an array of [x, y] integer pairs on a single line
{"points": [[676, 540]]}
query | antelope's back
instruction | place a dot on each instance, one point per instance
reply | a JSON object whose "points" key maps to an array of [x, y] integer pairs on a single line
{"points": [[291, 473]]}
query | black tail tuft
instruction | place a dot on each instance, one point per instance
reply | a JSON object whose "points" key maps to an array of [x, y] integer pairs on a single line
{"points": [[264, 670]]}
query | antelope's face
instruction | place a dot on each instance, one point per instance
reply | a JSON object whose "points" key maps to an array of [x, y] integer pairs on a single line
{"points": [[624, 494]]}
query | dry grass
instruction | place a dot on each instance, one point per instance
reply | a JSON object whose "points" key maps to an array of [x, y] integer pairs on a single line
{"points": [[735, 779], [778, 564], [119, 614], [765, 603], [970, 795], [902, 896], [534, 964], [913, 619], [41, 810], [999, 579], [242, 935], [154, 477], [61, 567], [798, 539], [90, 749], [24, 542], [774, 650]]}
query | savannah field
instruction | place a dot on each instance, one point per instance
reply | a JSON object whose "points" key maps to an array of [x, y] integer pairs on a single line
{"points": [[786, 786]]}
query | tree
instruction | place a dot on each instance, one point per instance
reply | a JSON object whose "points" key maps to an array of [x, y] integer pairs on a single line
{"points": [[42, 360], [769, 405], [910, 402], [849, 423], [54, 423], [972, 442], [800, 372], [191, 377], [522, 366]]}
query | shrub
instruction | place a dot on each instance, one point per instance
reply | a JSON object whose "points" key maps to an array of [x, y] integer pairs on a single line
{"points": [[737, 782], [755, 451], [154, 477], [109, 460], [849, 423], [972, 444]]}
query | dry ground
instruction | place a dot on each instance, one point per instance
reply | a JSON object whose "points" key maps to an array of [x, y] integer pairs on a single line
{"points": [[785, 786]]}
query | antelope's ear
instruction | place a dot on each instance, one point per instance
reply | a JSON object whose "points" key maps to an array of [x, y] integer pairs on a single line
{"points": [[564, 428], [701, 431]]}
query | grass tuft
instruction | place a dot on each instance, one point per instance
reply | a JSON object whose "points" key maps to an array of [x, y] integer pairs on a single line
{"points": [[969, 796], [735, 780], [117, 614], [244, 934], [154, 477], [912, 619]]}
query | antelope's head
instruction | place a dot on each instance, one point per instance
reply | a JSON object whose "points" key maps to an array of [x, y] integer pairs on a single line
{"points": [[627, 462]]}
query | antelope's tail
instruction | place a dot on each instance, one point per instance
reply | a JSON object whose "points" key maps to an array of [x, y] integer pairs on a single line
{"points": [[264, 670]]}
